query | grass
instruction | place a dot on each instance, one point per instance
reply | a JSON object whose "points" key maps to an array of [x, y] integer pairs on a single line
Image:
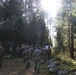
{"points": [[65, 63]]}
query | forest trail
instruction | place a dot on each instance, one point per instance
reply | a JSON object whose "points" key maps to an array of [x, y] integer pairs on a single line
{"points": [[16, 67], [29, 71]]}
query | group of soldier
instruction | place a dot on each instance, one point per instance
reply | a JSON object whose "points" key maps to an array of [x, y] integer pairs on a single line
{"points": [[29, 53]]}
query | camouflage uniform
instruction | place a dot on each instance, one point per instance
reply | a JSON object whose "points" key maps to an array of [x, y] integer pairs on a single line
{"points": [[37, 57], [18, 50], [26, 57], [31, 52], [43, 54], [10, 50]]}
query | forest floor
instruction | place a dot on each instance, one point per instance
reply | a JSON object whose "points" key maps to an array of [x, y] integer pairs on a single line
{"points": [[16, 66], [65, 61]]}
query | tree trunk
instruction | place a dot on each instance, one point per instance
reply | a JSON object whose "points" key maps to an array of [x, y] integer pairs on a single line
{"points": [[72, 43], [69, 35], [72, 35]]}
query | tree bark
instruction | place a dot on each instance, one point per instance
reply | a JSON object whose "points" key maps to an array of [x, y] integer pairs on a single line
{"points": [[72, 43], [69, 35]]}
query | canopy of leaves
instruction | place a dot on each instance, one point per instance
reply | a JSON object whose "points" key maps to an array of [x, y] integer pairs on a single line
{"points": [[22, 21]]}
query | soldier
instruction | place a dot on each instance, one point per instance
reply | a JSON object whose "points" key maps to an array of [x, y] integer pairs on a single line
{"points": [[22, 50], [26, 57], [31, 51], [18, 50], [37, 57], [43, 54], [10, 50], [1, 54]]}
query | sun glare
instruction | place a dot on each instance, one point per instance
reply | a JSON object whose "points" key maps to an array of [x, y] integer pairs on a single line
{"points": [[49, 6]]}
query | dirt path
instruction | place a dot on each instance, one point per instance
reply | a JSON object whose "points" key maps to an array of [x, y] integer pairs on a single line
{"points": [[16, 67], [30, 71]]}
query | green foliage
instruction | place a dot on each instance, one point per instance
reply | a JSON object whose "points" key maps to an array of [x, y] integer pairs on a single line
{"points": [[30, 28], [65, 62], [60, 38], [67, 17]]}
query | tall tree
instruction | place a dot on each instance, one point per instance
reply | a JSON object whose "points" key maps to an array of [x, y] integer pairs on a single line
{"points": [[68, 7], [22, 22]]}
